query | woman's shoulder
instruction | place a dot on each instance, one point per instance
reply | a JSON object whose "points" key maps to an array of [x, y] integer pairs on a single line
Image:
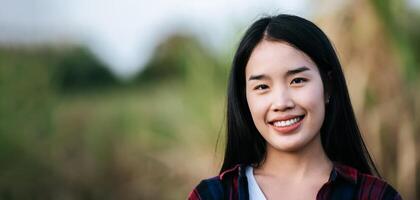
{"points": [[367, 186], [218, 186], [376, 188], [211, 188]]}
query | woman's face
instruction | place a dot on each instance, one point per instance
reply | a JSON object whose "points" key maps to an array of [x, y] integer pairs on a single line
{"points": [[285, 95]]}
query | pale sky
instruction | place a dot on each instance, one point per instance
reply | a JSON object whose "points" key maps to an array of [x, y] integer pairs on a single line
{"points": [[124, 33]]}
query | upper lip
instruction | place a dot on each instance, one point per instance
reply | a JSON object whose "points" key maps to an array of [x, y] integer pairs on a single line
{"points": [[283, 118]]}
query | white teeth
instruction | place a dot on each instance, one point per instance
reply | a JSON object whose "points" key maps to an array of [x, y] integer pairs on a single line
{"points": [[287, 122]]}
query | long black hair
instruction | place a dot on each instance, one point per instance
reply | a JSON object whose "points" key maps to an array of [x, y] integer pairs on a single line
{"points": [[340, 134]]}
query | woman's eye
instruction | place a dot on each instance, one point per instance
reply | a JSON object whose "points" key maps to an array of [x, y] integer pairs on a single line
{"points": [[260, 87], [298, 81]]}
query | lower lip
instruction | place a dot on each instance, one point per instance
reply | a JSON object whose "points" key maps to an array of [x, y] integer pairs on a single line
{"points": [[288, 129]]}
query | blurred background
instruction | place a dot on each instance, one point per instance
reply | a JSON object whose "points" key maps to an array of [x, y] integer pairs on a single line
{"points": [[125, 99]]}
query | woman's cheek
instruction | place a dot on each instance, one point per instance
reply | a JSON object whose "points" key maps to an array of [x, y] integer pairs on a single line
{"points": [[257, 105], [312, 100]]}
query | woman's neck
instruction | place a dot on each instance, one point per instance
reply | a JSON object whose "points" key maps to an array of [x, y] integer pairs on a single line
{"points": [[297, 165]]}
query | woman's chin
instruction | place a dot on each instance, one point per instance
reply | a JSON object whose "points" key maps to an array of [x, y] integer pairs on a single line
{"points": [[287, 147]]}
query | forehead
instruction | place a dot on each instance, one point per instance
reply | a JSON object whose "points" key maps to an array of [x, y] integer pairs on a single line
{"points": [[277, 57]]}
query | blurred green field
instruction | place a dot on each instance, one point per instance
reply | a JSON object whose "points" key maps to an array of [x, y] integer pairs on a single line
{"points": [[68, 133]]}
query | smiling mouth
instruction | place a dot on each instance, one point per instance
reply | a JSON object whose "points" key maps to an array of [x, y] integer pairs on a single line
{"points": [[287, 123]]}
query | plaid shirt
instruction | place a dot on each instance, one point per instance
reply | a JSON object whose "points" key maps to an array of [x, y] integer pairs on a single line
{"points": [[344, 183]]}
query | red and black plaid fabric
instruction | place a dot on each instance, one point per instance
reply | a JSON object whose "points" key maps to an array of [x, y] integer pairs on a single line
{"points": [[345, 183]]}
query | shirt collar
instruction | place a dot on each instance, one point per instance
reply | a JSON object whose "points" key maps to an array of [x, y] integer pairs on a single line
{"points": [[237, 169], [343, 171]]}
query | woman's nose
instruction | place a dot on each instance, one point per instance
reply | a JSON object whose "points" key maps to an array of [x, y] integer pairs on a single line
{"points": [[281, 101]]}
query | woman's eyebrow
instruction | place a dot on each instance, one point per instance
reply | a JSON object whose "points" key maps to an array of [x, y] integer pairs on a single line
{"points": [[258, 77], [297, 70], [288, 73]]}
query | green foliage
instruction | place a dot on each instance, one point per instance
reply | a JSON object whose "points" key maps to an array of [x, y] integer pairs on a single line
{"points": [[176, 58], [169, 61], [78, 69], [25, 122], [115, 141]]}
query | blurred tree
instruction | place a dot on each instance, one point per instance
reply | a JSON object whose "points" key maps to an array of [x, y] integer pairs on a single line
{"points": [[401, 24], [78, 69], [169, 61], [174, 57]]}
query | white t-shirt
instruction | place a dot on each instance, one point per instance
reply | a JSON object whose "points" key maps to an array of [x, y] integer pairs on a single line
{"points": [[254, 190]]}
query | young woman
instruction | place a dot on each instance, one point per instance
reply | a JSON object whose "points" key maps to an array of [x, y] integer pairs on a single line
{"points": [[291, 130]]}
